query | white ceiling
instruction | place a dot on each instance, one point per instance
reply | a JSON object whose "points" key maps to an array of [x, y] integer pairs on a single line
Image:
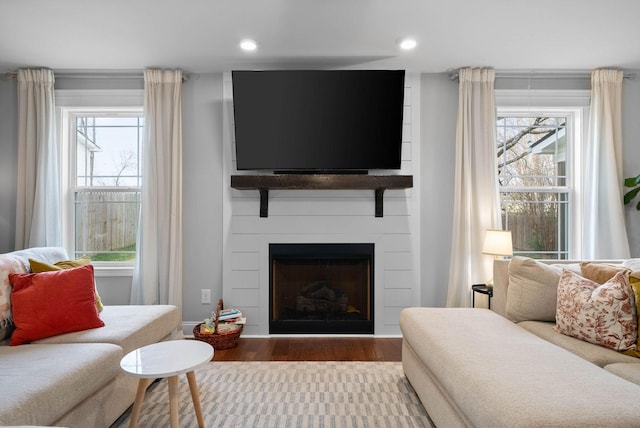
{"points": [[202, 35]]}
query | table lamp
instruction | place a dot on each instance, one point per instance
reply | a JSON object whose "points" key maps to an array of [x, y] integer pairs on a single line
{"points": [[497, 243]]}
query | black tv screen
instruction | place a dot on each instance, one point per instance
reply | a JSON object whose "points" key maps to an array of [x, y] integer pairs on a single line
{"points": [[318, 121]]}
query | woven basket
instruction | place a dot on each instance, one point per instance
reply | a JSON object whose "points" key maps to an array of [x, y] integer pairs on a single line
{"points": [[223, 340]]}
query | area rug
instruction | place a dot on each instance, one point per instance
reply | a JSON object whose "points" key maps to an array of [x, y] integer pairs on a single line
{"points": [[305, 394]]}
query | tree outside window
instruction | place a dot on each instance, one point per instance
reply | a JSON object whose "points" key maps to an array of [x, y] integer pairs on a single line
{"points": [[532, 174]]}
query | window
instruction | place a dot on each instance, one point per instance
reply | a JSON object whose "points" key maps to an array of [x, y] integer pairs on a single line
{"points": [[536, 175], [103, 151]]}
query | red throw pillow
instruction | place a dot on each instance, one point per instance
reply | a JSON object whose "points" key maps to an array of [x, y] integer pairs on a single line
{"points": [[51, 303]]}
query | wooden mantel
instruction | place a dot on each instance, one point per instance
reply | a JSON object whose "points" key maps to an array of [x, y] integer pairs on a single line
{"points": [[263, 183]]}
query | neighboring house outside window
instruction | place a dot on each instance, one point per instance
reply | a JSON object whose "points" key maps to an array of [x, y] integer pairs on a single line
{"points": [[538, 150], [102, 162]]}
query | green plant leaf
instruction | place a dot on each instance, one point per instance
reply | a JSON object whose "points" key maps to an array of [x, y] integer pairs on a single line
{"points": [[638, 206], [628, 197], [632, 181]]}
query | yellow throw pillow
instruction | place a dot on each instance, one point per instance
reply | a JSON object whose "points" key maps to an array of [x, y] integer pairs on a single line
{"points": [[634, 281], [38, 267]]}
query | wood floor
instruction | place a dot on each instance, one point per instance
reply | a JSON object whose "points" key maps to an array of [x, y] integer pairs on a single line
{"points": [[313, 349]]}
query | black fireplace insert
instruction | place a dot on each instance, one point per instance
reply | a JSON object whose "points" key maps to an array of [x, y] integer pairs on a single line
{"points": [[321, 288]]}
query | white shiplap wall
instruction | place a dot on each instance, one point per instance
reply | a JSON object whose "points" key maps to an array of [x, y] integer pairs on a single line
{"points": [[323, 216]]}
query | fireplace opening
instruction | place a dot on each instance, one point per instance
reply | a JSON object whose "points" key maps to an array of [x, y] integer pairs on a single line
{"points": [[321, 288]]}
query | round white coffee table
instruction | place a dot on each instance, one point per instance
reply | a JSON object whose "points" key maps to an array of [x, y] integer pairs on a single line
{"points": [[167, 359]]}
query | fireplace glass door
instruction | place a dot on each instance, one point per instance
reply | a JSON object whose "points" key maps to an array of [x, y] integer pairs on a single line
{"points": [[321, 288]]}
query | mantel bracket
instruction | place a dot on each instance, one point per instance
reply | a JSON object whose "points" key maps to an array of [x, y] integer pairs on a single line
{"points": [[379, 202], [264, 202]]}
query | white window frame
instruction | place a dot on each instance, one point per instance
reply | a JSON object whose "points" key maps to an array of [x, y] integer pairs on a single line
{"points": [[574, 104], [68, 103]]}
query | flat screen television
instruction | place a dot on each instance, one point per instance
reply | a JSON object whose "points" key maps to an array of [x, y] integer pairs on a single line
{"points": [[318, 121]]}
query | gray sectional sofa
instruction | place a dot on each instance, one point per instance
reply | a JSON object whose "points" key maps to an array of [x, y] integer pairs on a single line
{"points": [[478, 368], [74, 379]]}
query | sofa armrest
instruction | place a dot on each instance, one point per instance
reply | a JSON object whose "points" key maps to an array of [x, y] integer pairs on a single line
{"points": [[500, 285], [46, 254]]}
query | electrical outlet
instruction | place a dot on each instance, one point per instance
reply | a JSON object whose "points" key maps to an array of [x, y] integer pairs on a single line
{"points": [[206, 295]]}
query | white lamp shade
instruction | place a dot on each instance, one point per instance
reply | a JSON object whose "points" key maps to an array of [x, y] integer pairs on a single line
{"points": [[498, 243]]}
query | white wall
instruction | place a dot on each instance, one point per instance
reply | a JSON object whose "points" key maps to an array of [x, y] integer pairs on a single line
{"points": [[324, 216], [203, 181], [8, 160], [438, 109]]}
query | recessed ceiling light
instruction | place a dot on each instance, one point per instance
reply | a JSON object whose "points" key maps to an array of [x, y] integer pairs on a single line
{"points": [[248, 45], [408, 44]]}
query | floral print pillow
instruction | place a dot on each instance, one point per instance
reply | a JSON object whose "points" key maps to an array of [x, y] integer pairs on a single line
{"points": [[601, 314]]}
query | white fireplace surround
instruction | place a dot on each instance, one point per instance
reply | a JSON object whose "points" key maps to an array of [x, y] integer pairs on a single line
{"points": [[323, 216]]}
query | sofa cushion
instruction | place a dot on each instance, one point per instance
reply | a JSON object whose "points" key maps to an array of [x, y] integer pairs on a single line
{"points": [[628, 371], [51, 303], [128, 326], [601, 314], [500, 375], [532, 290], [40, 383], [598, 355]]}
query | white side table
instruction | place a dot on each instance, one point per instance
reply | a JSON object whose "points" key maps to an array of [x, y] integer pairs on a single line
{"points": [[167, 359]]}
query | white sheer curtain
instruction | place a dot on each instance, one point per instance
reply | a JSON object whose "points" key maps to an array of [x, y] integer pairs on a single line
{"points": [[157, 277], [476, 198], [604, 235], [38, 215]]}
